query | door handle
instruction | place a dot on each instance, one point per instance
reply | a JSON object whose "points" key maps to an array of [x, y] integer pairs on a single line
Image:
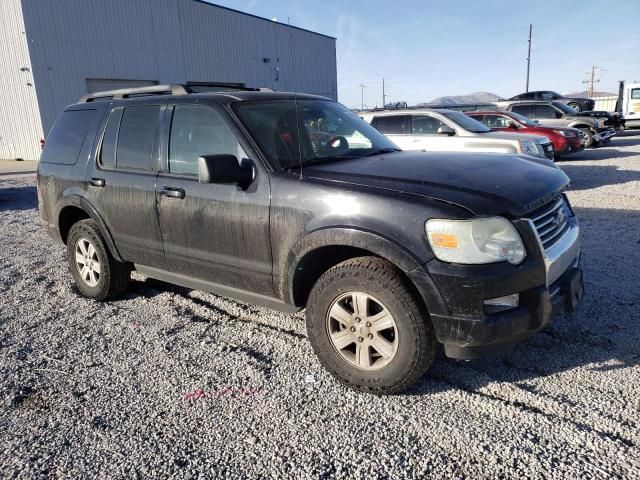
{"points": [[97, 182], [172, 192]]}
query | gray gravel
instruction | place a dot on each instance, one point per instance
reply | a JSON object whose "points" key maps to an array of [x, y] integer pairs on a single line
{"points": [[173, 382]]}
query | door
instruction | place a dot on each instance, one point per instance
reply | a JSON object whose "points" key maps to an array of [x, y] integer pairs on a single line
{"points": [[213, 232], [121, 182], [425, 135], [549, 116]]}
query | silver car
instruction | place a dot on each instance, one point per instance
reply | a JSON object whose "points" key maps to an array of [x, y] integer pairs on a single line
{"points": [[448, 130]]}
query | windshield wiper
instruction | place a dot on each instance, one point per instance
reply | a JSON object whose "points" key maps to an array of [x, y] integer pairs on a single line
{"points": [[382, 150]]}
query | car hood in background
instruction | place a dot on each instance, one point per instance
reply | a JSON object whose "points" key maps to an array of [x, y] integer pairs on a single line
{"points": [[482, 183]]}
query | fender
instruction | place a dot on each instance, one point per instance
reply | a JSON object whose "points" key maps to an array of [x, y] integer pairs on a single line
{"points": [[79, 201], [581, 124], [385, 248]]}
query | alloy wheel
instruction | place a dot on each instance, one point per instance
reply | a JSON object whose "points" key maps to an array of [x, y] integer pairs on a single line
{"points": [[87, 262]]}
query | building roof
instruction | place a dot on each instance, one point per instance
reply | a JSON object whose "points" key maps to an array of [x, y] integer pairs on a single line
{"points": [[262, 18]]}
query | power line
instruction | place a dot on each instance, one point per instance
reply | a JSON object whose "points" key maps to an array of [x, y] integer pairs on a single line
{"points": [[362, 87], [592, 78]]}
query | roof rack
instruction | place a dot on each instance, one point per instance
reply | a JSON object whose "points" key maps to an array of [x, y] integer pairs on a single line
{"points": [[173, 89]]}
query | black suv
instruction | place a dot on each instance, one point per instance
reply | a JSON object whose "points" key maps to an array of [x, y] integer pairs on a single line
{"points": [[292, 201]]}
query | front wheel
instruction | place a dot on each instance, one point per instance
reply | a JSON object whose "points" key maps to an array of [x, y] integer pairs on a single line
{"points": [[367, 327], [589, 142]]}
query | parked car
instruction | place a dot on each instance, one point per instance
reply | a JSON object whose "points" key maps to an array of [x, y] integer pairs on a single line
{"points": [[578, 104], [555, 114], [611, 119], [444, 130], [390, 252], [565, 140]]}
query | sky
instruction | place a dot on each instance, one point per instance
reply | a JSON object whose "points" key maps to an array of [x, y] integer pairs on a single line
{"points": [[427, 49]]}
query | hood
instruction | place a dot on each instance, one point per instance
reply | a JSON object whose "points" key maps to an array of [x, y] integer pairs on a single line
{"points": [[482, 183], [517, 136], [592, 113]]}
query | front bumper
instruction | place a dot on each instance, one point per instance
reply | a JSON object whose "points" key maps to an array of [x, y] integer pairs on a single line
{"points": [[604, 134], [570, 145], [548, 282]]}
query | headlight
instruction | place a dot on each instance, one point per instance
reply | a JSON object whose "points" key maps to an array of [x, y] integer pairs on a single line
{"points": [[528, 146], [563, 133], [481, 240]]}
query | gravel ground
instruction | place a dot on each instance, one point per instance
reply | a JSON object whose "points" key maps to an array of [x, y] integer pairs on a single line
{"points": [[174, 382]]}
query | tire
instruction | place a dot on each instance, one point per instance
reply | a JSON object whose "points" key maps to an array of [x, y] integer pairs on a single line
{"points": [[589, 143], [576, 106], [412, 338], [105, 277]]}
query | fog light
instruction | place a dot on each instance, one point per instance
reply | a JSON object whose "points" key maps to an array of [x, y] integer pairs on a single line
{"points": [[500, 304]]}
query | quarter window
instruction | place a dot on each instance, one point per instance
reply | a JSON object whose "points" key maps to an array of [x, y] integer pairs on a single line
{"points": [[198, 130], [137, 136], [67, 136]]}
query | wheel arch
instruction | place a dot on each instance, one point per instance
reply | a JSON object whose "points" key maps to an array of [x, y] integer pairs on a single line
{"points": [[75, 208], [320, 250]]}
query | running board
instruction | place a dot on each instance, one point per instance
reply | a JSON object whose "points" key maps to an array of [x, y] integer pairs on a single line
{"points": [[242, 295]]}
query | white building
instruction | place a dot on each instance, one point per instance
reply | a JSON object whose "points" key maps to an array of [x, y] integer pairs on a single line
{"points": [[52, 52]]}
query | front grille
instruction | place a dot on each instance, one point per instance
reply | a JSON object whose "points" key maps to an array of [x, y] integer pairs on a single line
{"points": [[551, 221], [548, 150]]}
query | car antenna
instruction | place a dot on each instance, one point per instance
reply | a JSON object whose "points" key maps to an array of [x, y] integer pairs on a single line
{"points": [[295, 95]]}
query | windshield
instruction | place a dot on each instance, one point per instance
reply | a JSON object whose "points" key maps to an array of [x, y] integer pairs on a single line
{"points": [[565, 108], [318, 131], [524, 120], [466, 122]]}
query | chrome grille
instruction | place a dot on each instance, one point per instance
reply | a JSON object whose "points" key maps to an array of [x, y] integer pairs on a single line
{"points": [[551, 221]]}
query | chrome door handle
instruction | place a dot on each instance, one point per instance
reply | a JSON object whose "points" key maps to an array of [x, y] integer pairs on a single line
{"points": [[172, 192], [97, 182]]}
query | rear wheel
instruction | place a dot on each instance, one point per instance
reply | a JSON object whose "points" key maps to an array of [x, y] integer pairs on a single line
{"points": [[367, 328], [576, 106], [97, 274]]}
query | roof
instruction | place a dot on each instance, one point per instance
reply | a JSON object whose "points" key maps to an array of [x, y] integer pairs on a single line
{"points": [[405, 111], [262, 18]]}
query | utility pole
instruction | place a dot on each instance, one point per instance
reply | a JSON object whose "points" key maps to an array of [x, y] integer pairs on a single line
{"points": [[362, 87], [592, 79], [384, 97], [529, 57]]}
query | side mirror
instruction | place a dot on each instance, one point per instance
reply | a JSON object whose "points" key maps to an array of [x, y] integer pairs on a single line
{"points": [[535, 121], [225, 169], [446, 130], [513, 125], [558, 115]]}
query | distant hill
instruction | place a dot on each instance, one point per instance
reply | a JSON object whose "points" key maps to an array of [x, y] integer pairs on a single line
{"points": [[585, 94], [477, 97]]}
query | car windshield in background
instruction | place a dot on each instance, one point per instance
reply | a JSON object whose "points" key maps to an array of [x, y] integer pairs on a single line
{"points": [[466, 122], [565, 108], [523, 119], [293, 133]]}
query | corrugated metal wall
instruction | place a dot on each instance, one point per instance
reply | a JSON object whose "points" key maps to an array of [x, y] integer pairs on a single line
{"points": [[20, 127], [169, 41]]}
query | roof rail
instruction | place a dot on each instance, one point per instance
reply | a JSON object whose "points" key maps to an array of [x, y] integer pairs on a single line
{"points": [[174, 89], [132, 92]]}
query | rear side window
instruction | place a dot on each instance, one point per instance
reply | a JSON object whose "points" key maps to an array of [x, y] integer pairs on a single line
{"points": [[393, 124], [136, 137], [635, 94], [67, 136], [198, 130]]}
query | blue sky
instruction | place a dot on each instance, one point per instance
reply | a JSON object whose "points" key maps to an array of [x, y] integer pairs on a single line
{"points": [[426, 49]]}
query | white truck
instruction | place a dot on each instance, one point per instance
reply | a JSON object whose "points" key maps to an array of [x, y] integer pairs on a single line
{"points": [[452, 131], [629, 103]]}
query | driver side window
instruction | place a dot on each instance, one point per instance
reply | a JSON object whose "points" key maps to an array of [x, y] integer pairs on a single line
{"points": [[426, 125], [198, 130]]}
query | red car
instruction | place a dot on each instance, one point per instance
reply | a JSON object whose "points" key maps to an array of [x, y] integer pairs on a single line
{"points": [[565, 140]]}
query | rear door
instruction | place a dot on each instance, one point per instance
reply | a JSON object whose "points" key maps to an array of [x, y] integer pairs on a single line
{"points": [[121, 183], [213, 232]]}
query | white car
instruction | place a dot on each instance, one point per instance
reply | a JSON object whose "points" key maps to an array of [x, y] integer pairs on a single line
{"points": [[448, 130]]}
